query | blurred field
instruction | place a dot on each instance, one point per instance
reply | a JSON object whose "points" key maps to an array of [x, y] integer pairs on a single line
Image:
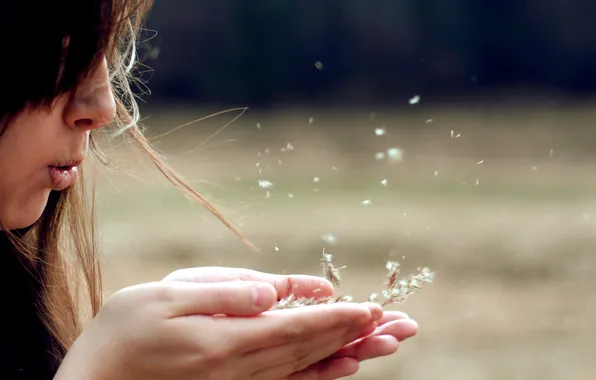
{"points": [[503, 208]]}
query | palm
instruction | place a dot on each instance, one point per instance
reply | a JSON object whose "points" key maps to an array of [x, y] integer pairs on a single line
{"points": [[394, 327]]}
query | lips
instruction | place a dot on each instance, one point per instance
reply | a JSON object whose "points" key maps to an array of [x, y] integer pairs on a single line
{"points": [[63, 174]]}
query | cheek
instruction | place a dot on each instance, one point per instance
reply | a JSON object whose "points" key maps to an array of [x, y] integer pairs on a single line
{"points": [[23, 182]]}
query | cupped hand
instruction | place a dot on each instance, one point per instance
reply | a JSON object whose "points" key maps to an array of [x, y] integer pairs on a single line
{"points": [[392, 328], [173, 329]]}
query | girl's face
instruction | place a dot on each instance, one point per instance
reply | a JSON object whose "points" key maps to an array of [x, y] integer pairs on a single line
{"points": [[41, 150]]}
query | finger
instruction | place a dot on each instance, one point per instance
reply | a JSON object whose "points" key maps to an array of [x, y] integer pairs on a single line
{"points": [[299, 285], [328, 370], [369, 348], [230, 298], [401, 329], [390, 316], [279, 327], [366, 347], [285, 360], [271, 357]]}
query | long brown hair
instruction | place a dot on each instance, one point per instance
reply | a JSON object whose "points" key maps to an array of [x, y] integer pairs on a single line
{"points": [[61, 249]]}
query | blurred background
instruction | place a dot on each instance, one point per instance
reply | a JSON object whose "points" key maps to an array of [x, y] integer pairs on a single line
{"points": [[455, 135]]}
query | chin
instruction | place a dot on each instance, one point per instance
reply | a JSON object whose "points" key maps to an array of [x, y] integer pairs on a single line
{"points": [[25, 215]]}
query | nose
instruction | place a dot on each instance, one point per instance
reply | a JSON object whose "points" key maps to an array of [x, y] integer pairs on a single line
{"points": [[92, 106]]}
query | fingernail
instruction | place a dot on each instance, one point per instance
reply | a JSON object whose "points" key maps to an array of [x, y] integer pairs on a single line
{"points": [[256, 292]]}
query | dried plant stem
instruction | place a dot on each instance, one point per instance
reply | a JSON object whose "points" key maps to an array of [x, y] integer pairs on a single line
{"points": [[396, 291]]}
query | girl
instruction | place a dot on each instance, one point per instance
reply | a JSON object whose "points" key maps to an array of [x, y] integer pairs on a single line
{"points": [[64, 75]]}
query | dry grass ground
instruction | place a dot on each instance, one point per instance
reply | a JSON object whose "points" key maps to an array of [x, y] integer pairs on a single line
{"points": [[503, 208]]}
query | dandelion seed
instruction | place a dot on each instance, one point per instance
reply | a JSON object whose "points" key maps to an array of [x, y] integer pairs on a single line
{"points": [[319, 65], [414, 100], [551, 153], [311, 120], [366, 202], [477, 181], [290, 195], [276, 249], [260, 171], [379, 156], [330, 239], [395, 154], [384, 182], [267, 194], [287, 148], [436, 173], [237, 178], [372, 116], [334, 168], [453, 135], [480, 162], [258, 125], [265, 184], [534, 168], [380, 131], [316, 180], [373, 297], [279, 162], [267, 151], [429, 121]]}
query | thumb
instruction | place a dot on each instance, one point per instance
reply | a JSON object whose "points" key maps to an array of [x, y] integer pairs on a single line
{"points": [[239, 298]]}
